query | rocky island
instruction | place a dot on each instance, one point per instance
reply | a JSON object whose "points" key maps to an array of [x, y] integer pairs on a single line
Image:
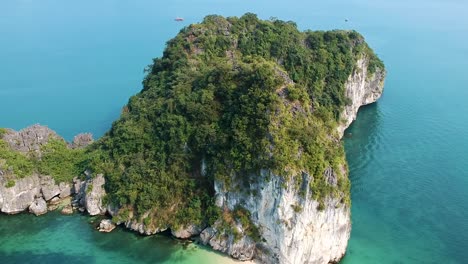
{"points": [[235, 139]]}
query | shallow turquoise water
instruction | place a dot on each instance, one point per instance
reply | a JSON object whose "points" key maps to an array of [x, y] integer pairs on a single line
{"points": [[55, 238], [73, 65]]}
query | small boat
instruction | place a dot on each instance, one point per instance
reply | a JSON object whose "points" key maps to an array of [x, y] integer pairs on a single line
{"points": [[179, 19]]}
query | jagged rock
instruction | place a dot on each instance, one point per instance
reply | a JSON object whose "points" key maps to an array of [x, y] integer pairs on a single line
{"points": [[30, 139], [92, 193], [67, 210], [187, 232], [82, 140], [65, 190], [48, 188], [362, 88], [242, 249], [19, 197], [141, 228], [38, 207], [106, 225]]}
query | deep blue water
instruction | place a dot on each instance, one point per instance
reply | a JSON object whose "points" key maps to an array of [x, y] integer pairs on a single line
{"points": [[73, 64]]}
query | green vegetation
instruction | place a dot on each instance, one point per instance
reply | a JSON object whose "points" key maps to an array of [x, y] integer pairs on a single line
{"points": [[60, 162], [238, 95], [10, 183], [13, 162], [2, 131], [57, 160]]}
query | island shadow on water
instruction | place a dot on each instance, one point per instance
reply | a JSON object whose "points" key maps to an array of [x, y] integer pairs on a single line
{"points": [[55, 238]]}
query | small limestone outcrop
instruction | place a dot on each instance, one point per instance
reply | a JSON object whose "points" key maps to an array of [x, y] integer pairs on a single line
{"points": [[186, 232], [94, 194], [362, 88], [90, 193], [65, 190], [141, 228], [241, 249], [29, 140], [106, 226], [20, 196], [38, 207], [82, 140], [48, 188]]}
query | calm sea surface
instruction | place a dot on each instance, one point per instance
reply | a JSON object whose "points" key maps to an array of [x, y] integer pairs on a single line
{"points": [[72, 65]]}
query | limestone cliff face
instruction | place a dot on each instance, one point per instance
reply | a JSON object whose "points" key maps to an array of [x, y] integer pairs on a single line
{"points": [[19, 197], [293, 227], [362, 88], [90, 194]]}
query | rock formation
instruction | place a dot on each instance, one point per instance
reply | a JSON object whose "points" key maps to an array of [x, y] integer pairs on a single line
{"points": [[19, 197], [34, 191], [362, 88], [106, 226], [38, 207], [186, 232]]}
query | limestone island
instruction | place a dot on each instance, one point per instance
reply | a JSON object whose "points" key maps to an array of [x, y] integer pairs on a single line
{"points": [[234, 140]]}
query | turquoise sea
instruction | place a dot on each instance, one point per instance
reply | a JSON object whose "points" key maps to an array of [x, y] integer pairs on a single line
{"points": [[73, 64]]}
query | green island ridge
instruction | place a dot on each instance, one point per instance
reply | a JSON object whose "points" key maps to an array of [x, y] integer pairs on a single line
{"points": [[233, 102]]}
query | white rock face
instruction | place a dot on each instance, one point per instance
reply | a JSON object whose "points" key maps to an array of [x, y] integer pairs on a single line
{"points": [[38, 207], [362, 88], [17, 198], [94, 193], [49, 189], [304, 235]]}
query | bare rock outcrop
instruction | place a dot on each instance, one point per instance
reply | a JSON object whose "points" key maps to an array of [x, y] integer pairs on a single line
{"points": [[82, 140], [29, 140], [241, 249], [90, 193], [362, 88], [48, 188], [106, 226], [17, 198], [188, 231], [38, 207]]}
